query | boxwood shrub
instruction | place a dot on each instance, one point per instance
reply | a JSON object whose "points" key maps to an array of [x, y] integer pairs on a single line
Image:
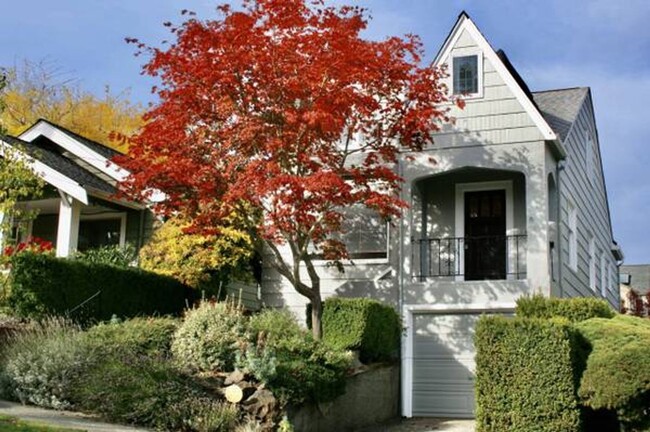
{"points": [[362, 324], [617, 376], [573, 309], [526, 376], [42, 285]]}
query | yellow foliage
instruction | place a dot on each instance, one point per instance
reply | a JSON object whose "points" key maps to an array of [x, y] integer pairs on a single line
{"points": [[194, 258], [36, 90]]}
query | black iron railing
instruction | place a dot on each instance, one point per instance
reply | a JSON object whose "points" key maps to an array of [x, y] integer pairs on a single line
{"points": [[472, 258]]}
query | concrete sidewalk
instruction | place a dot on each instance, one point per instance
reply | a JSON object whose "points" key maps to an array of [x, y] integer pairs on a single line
{"points": [[63, 419]]}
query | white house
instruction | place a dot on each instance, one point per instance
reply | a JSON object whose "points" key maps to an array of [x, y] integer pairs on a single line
{"points": [[514, 204], [79, 209]]}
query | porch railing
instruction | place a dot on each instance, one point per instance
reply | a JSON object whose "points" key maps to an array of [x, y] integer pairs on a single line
{"points": [[470, 258]]}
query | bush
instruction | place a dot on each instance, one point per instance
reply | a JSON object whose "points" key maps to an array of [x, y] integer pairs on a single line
{"points": [[40, 366], [138, 336], [150, 392], [526, 376], [209, 337], [43, 285], [293, 365], [617, 376], [114, 255], [362, 324], [574, 309]]}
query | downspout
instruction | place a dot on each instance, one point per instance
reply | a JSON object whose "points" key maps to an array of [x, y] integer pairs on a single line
{"points": [[140, 241], [559, 168], [400, 288]]}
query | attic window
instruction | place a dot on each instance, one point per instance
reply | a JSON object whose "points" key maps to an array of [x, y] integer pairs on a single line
{"points": [[466, 74]]}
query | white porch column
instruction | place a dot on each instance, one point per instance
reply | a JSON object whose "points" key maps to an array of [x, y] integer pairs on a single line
{"points": [[68, 231]]}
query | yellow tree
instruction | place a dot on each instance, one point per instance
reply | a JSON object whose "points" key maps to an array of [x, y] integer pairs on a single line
{"points": [[42, 90]]}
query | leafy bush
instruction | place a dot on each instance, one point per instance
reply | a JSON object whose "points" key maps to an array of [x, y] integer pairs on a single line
{"points": [[526, 375], [40, 366], [617, 376], [293, 365], [361, 324], [150, 392], [209, 337], [43, 285], [197, 260], [574, 309], [138, 336], [114, 255]]}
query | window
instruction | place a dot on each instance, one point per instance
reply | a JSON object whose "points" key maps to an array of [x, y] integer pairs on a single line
{"points": [[95, 233], [590, 155], [592, 264], [365, 234], [603, 274], [609, 278], [573, 237], [466, 74]]}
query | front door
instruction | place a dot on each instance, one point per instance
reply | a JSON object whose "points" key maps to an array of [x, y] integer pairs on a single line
{"points": [[485, 235]]}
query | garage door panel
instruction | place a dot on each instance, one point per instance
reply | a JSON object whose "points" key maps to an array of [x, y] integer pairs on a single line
{"points": [[443, 365]]}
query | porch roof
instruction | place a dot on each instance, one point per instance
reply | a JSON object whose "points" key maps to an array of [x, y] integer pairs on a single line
{"points": [[61, 164]]}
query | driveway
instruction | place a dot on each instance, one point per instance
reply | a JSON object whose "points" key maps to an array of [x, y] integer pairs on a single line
{"points": [[427, 425]]}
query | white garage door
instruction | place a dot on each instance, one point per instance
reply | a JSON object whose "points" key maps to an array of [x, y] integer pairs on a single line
{"points": [[443, 365]]}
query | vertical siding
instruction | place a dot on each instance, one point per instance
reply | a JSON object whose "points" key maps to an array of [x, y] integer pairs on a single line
{"points": [[591, 201]]}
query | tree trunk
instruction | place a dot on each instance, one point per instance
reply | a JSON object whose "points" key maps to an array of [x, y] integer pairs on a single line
{"points": [[316, 316]]}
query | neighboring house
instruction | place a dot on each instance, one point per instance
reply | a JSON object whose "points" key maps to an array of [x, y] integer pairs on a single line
{"points": [[79, 210], [509, 201], [634, 289]]}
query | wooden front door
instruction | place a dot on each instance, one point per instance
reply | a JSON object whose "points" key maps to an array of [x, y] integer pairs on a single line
{"points": [[485, 235]]}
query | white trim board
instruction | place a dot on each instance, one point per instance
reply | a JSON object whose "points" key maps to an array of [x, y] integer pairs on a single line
{"points": [[50, 175], [464, 23], [409, 310], [69, 143]]}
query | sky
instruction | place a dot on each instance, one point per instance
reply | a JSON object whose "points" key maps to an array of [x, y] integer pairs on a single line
{"points": [[602, 44]]}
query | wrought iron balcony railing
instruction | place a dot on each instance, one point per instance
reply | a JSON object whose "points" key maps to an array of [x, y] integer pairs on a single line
{"points": [[471, 258]]}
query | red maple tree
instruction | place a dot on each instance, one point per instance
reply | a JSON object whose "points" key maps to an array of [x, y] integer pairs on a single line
{"points": [[282, 112]]}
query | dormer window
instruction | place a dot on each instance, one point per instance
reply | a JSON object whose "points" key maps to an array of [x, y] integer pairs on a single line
{"points": [[466, 75]]}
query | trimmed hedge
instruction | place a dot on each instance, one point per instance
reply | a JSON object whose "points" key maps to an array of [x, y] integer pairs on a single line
{"points": [[574, 309], [526, 376], [617, 376], [42, 284], [362, 324]]}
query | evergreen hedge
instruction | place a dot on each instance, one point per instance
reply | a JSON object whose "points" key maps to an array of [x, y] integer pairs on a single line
{"points": [[362, 324], [526, 376], [574, 309], [42, 285]]}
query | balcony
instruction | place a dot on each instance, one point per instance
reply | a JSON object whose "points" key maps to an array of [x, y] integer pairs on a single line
{"points": [[495, 257]]}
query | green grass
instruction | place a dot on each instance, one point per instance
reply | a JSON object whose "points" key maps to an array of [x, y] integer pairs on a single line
{"points": [[12, 424]]}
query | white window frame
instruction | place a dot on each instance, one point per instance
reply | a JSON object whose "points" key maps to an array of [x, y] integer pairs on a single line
{"points": [[479, 71], [592, 264], [109, 216], [603, 274], [572, 225], [459, 222]]}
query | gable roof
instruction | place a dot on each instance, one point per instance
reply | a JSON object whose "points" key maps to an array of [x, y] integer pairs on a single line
{"points": [[61, 164], [104, 150], [504, 68], [560, 107]]}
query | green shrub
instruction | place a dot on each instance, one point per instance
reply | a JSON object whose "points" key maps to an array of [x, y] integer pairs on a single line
{"points": [[150, 392], [115, 255], [42, 284], [139, 336], [574, 309], [293, 365], [526, 375], [40, 366], [209, 337], [617, 376], [363, 325]]}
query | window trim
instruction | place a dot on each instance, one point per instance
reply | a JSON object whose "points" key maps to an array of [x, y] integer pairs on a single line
{"points": [[479, 71], [109, 216], [572, 234], [592, 264], [603, 275]]}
